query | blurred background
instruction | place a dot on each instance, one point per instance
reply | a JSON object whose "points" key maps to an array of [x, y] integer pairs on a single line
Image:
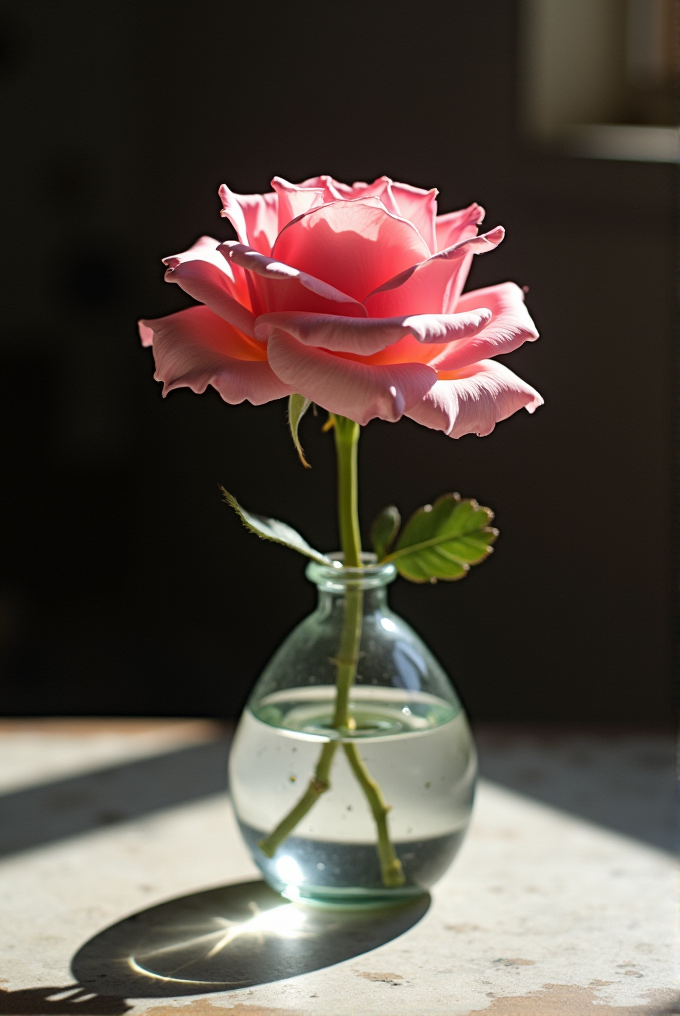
{"points": [[126, 586]]}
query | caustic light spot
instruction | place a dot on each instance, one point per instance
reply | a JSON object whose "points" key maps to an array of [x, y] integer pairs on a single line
{"points": [[288, 870]]}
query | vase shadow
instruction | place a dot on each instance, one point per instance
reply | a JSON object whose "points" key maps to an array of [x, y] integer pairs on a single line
{"points": [[234, 936]]}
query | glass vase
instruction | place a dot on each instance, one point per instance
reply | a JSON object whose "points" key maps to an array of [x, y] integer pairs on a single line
{"points": [[391, 787]]}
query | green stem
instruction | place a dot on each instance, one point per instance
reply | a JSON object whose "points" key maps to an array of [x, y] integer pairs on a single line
{"points": [[346, 443], [346, 446], [318, 785], [390, 865]]}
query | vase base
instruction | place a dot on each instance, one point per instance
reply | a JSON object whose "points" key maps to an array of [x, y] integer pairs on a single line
{"points": [[348, 874], [319, 898]]}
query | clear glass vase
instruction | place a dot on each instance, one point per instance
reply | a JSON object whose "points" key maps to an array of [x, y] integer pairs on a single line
{"points": [[404, 743]]}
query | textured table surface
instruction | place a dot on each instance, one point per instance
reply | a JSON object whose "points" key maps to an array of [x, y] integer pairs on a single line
{"points": [[561, 901]]}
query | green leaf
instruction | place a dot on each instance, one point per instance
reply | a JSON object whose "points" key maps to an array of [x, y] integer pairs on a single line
{"points": [[384, 530], [272, 529], [297, 407], [442, 540]]}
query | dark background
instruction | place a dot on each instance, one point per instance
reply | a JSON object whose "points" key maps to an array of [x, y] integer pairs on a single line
{"points": [[127, 587]]}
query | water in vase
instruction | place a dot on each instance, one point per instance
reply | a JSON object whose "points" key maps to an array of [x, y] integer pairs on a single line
{"points": [[417, 747]]}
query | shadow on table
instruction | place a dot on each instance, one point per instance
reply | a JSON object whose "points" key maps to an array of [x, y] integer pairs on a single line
{"points": [[71, 998], [42, 814], [235, 936], [624, 780]]}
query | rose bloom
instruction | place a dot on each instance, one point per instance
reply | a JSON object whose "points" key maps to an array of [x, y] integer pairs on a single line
{"points": [[351, 297]]}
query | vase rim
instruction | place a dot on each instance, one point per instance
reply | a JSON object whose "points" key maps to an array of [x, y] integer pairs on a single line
{"points": [[335, 577]]}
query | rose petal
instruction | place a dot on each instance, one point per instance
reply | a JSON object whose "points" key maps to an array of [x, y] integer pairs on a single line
{"points": [[365, 336], [145, 334], [203, 273], [347, 387], [351, 245], [456, 226], [195, 348], [253, 216], [474, 400], [509, 327], [380, 189], [419, 207], [333, 189], [411, 203], [433, 285], [278, 286], [293, 201]]}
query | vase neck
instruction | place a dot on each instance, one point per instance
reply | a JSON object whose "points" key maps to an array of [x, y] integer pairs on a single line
{"points": [[334, 579], [372, 600]]}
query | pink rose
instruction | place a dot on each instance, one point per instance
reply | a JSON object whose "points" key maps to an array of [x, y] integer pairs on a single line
{"points": [[351, 297]]}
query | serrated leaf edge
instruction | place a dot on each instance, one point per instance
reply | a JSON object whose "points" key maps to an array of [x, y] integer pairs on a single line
{"points": [[435, 540], [315, 555]]}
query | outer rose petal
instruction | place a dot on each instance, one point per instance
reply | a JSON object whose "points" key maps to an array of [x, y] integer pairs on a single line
{"points": [[509, 327], [456, 226], [347, 387], [253, 216], [203, 273], [365, 336], [433, 286], [419, 207], [195, 348], [352, 245], [278, 286], [293, 200], [474, 400]]}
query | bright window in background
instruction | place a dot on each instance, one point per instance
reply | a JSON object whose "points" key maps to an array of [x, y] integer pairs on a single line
{"points": [[600, 77]]}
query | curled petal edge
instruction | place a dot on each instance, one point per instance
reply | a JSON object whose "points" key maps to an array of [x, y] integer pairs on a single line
{"points": [[204, 274], [365, 336], [273, 270], [472, 245], [475, 400], [359, 391], [195, 348], [509, 328]]}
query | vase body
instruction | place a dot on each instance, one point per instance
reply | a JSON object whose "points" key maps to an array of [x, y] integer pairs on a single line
{"points": [[410, 732]]}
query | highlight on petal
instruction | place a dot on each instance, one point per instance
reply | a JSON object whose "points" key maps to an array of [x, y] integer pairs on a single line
{"points": [[456, 226], [353, 246], [203, 273], [509, 327], [419, 207], [253, 216], [365, 336], [347, 387], [195, 348], [294, 200], [279, 286], [433, 285], [474, 400]]}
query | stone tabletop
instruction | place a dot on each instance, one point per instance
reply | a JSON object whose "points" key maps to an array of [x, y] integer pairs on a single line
{"points": [[125, 888]]}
